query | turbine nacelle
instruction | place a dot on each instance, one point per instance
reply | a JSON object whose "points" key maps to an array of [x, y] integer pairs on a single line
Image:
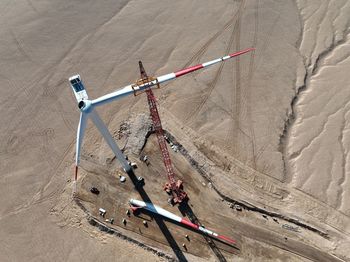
{"points": [[78, 88]]}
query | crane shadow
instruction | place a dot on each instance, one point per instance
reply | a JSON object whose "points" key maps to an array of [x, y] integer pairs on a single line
{"points": [[160, 222], [187, 211]]}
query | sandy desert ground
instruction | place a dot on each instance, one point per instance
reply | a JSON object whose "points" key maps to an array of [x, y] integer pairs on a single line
{"points": [[270, 129]]}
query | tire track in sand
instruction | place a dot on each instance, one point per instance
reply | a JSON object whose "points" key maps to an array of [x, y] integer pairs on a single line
{"points": [[206, 45], [201, 51], [231, 135], [248, 94], [257, 152], [208, 91]]}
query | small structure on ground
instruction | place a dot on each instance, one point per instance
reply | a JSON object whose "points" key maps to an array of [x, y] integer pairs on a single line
{"points": [[94, 190], [102, 212]]}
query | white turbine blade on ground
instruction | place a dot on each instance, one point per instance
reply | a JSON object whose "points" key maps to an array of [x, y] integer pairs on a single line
{"points": [[161, 79], [109, 139], [80, 136]]}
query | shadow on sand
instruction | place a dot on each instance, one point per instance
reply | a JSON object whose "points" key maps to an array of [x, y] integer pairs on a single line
{"points": [[159, 220]]}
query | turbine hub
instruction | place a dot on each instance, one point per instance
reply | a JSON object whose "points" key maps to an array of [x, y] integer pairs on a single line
{"points": [[85, 106], [81, 104]]}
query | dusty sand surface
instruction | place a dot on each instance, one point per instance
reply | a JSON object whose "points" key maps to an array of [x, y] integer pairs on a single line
{"points": [[270, 129], [318, 139]]}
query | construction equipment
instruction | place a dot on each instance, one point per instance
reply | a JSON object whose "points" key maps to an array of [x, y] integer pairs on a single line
{"points": [[174, 187]]}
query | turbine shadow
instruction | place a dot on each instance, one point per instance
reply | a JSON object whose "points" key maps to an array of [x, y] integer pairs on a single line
{"points": [[187, 211], [172, 243]]}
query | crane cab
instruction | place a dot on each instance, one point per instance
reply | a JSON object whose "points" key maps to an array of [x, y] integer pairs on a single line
{"points": [[78, 88]]}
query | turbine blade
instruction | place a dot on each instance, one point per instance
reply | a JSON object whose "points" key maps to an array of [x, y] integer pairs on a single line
{"points": [[80, 135], [130, 89], [109, 139]]}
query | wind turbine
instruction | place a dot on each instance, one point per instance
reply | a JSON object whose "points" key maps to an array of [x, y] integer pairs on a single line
{"points": [[87, 106]]}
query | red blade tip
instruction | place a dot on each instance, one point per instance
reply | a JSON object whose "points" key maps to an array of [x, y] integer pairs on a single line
{"points": [[242, 52]]}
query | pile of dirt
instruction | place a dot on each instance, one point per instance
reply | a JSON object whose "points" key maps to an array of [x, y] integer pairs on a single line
{"points": [[140, 128]]}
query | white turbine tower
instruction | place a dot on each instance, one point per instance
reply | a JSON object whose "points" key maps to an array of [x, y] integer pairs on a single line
{"points": [[87, 107]]}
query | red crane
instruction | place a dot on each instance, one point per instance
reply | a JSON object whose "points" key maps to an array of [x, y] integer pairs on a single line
{"points": [[174, 187]]}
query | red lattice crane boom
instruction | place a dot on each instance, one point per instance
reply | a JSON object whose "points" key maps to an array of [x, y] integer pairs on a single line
{"points": [[174, 187]]}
